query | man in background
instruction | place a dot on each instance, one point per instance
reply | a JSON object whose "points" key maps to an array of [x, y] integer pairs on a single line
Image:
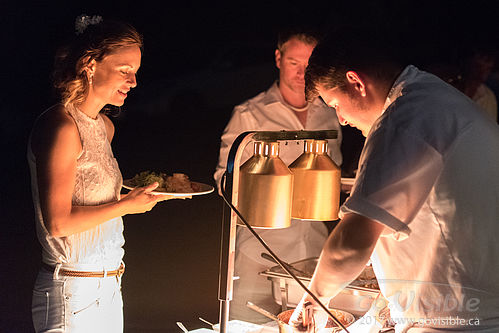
{"points": [[477, 67], [282, 107]]}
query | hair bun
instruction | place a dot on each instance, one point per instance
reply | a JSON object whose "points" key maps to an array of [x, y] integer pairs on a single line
{"points": [[83, 21]]}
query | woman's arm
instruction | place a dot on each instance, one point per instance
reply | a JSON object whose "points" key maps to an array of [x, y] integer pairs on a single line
{"points": [[56, 146]]}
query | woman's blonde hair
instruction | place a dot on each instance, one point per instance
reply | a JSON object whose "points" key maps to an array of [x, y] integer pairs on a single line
{"points": [[96, 42]]}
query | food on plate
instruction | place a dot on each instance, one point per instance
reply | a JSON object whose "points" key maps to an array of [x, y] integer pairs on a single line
{"points": [[145, 178], [177, 183]]}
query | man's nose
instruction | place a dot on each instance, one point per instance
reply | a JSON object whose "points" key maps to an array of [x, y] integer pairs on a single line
{"points": [[301, 70]]}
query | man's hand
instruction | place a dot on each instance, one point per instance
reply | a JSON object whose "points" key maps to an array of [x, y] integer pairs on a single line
{"points": [[308, 316], [343, 258]]}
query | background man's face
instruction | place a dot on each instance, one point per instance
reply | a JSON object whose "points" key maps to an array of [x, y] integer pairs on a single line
{"points": [[292, 62]]}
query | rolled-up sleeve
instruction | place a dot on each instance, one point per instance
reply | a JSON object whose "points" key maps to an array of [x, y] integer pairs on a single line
{"points": [[397, 172]]}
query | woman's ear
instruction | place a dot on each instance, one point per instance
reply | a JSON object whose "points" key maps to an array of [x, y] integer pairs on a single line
{"points": [[358, 84], [90, 66]]}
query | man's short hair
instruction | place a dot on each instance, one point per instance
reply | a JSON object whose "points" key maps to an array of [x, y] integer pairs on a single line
{"points": [[305, 35], [350, 49]]}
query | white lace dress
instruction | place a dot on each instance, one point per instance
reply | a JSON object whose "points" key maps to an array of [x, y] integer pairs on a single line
{"points": [[98, 181]]}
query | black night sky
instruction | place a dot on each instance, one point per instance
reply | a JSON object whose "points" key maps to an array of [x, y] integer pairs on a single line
{"points": [[200, 60]]}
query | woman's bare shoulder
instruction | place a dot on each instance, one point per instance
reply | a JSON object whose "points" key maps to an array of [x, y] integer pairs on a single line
{"points": [[53, 125], [55, 117]]}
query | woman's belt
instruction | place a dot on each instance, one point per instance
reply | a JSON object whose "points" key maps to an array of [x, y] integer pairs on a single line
{"points": [[66, 272]]}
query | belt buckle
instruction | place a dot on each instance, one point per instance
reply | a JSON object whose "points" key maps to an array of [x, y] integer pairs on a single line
{"points": [[121, 270]]}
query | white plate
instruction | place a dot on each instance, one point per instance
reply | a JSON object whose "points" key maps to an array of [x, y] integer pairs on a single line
{"points": [[347, 181], [203, 189]]}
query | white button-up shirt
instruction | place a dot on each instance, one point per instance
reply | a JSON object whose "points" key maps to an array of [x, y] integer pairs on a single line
{"points": [[268, 112], [429, 172]]}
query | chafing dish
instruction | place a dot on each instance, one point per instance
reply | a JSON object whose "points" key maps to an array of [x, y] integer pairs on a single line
{"points": [[356, 298]]}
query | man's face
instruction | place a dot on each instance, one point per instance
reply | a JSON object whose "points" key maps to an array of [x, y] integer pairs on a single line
{"points": [[350, 107], [292, 62]]}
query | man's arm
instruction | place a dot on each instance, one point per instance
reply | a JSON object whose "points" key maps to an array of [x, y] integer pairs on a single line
{"points": [[344, 256], [239, 122]]}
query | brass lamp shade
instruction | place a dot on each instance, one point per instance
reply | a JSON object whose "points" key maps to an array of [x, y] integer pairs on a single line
{"points": [[265, 188], [316, 194]]}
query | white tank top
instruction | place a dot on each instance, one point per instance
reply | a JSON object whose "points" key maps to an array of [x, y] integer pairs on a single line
{"points": [[98, 181]]}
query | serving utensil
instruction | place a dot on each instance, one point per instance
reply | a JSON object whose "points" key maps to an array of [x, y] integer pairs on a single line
{"points": [[289, 266], [207, 322], [182, 327]]}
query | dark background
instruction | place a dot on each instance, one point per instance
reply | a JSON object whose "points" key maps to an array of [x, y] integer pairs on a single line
{"points": [[200, 60]]}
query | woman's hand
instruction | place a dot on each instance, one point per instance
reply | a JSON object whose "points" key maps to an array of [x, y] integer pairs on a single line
{"points": [[141, 200]]}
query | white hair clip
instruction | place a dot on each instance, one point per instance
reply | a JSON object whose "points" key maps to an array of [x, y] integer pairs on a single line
{"points": [[83, 21]]}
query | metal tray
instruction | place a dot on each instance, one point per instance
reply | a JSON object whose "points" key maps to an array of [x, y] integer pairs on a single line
{"points": [[355, 298]]}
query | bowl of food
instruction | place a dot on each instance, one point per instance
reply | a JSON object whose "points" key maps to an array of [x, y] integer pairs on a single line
{"points": [[345, 318]]}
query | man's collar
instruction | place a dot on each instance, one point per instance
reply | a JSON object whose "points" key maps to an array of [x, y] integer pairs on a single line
{"points": [[273, 96], [396, 91]]}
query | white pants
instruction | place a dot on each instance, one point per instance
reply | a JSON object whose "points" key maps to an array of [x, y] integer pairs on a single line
{"points": [[72, 304]]}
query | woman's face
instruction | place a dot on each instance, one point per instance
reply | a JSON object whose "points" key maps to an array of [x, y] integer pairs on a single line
{"points": [[114, 76]]}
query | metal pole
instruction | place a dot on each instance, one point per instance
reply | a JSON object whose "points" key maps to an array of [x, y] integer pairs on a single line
{"points": [[229, 221]]}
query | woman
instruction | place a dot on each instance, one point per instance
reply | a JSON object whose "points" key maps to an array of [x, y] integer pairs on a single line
{"points": [[76, 183]]}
